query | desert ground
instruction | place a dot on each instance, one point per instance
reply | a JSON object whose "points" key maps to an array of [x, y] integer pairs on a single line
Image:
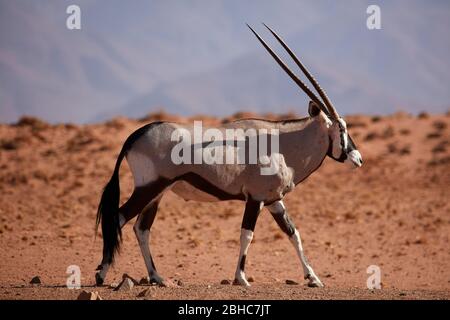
{"points": [[393, 212]]}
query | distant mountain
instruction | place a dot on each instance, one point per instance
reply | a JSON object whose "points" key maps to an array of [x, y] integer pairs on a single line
{"points": [[363, 71], [254, 83], [198, 57]]}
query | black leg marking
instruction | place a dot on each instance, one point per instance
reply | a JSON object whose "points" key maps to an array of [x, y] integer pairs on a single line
{"points": [[242, 264], [251, 213], [284, 222]]}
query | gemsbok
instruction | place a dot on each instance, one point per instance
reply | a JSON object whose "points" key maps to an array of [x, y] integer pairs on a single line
{"points": [[301, 147]]}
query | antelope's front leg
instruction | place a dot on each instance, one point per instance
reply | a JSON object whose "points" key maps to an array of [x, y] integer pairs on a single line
{"points": [[279, 213], [252, 209]]}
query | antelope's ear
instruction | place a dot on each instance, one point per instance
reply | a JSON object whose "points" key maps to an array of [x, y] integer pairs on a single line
{"points": [[313, 109]]}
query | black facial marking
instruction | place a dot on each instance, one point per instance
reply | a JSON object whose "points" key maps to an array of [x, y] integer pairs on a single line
{"points": [[342, 157], [344, 151], [342, 133], [350, 144]]}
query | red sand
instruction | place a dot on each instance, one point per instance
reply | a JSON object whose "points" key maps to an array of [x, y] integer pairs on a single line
{"points": [[393, 212]]}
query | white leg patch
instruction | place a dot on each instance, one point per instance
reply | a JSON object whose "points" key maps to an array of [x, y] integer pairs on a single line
{"points": [[307, 270], [246, 239]]}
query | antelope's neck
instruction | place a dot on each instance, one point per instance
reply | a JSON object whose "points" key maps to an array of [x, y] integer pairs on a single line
{"points": [[304, 148]]}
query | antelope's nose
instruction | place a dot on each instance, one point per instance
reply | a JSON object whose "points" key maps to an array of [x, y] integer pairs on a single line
{"points": [[359, 161], [356, 158]]}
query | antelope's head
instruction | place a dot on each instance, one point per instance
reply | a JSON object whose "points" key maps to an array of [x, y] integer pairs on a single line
{"points": [[341, 147]]}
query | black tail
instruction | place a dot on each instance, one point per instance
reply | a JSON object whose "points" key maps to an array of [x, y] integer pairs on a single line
{"points": [[108, 208], [108, 214]]}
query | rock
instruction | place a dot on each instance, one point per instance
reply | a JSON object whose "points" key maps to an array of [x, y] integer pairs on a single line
{"points": [[126, 285], [143, 293], [35, 280], [225, 281], [113, 285], [127, 276], [251, 279], [179, 283], [419, 240], [86, 295], [291, 282]]}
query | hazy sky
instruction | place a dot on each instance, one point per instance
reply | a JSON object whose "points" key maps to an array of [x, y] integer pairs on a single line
{"points": [[189, 57]]}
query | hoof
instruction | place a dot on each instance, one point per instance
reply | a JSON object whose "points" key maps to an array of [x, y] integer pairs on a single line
{"points": [[314, 281], [241, 282], [98, 279], [158, 281], [315, 284]]}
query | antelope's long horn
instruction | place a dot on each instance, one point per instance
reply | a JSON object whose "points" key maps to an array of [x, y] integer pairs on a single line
{"points": [[299, 82], [313, 81]]}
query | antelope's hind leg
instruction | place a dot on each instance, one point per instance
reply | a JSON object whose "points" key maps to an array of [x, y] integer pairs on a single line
{"points": [[279, 213], [142, 230], [135, 204]]}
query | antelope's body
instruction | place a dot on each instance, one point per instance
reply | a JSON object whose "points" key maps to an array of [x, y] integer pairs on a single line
{"points": [[150, 159], [302, 146]]}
